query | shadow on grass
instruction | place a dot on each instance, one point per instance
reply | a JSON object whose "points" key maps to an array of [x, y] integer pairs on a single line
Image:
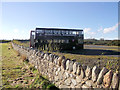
{"points": [[92, 52]]}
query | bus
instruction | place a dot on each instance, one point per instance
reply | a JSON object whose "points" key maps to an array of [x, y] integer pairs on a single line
{"points": [[56, 39]]}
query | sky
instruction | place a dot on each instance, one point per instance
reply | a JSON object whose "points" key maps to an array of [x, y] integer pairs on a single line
{"points": [[97, 19]]}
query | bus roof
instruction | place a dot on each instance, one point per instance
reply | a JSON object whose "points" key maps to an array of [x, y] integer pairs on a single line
{"points": [[58, 29]]}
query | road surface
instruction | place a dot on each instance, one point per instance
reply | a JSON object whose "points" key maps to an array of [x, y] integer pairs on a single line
{"points": [[101, 47]]}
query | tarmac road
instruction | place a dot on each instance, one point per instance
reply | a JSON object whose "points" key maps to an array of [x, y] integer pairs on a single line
{"points": [[100, 47], [112, 51]]}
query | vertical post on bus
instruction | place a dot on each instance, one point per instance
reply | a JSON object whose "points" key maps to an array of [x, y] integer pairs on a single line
{"points": [[32, 36]]}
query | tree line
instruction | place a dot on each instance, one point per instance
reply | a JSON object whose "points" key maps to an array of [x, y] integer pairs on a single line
{"points": [[102, 42]]}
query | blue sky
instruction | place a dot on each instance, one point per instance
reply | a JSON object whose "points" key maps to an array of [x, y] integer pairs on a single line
{"points": [[97, 19]]}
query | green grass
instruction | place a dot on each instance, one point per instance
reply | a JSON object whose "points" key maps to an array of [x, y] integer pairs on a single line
{"points": [[14, 68], [26, 44], [11, 64], [91, 60]]}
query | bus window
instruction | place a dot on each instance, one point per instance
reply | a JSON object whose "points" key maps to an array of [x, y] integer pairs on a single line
{"points": [[77, 33], [40, 31], [74, 32], [55, 32]]}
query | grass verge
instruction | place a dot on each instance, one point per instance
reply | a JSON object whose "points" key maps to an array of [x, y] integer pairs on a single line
{"points": [[18, 73]]}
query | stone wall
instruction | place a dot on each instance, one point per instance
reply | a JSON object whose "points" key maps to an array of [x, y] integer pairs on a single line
{"points": [[65, 73]]}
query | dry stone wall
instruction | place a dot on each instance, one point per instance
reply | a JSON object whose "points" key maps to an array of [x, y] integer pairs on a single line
{"points": [[65, 73]]}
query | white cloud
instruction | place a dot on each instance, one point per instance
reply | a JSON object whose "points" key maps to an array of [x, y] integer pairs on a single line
{"points": [[15, 30], [22, 31], [86, 30], [110, 29], [100, 29], [88, 33], [92, 33], [15, 34]]}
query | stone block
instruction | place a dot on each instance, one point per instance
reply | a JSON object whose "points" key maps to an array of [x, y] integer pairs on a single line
{"points": [[74, 82], [115, 80], [78, 79], [88, 71], [60, 75], [60, 60], [107, 79], [45, 56], [95, 72], [82, 73], [78, 69], [72, 87], [85, 86], [63, 87], [68, 81], [56, 78], [67, 74], [89, 83], [75, 67], [101, 74], [71, 66], [55, 61], [84, 66], [67, 64], [51, 57], [63, 64]]}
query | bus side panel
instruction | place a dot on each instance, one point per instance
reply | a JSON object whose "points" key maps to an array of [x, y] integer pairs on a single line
{"points": [[32, 39]]}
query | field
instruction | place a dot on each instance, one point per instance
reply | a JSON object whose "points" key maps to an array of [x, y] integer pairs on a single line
{"points": [[91, 55], [18, 73]]}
